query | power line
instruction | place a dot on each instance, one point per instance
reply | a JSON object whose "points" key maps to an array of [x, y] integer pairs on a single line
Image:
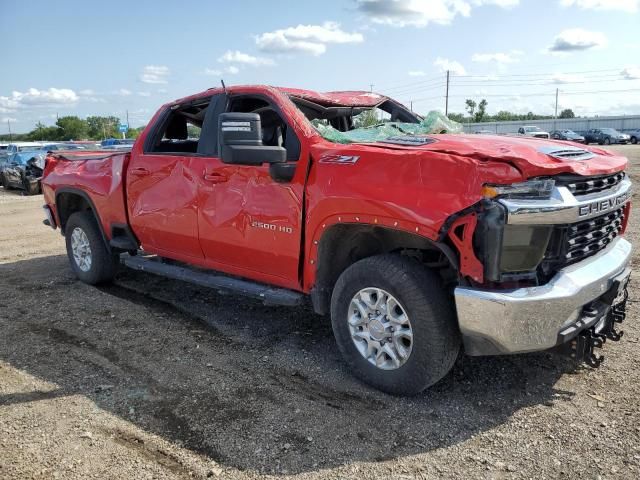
{"points": [[547, 94], [542, 74]]}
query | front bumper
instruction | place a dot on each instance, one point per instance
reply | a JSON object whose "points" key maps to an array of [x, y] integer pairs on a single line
{"points": [[533, 318]]}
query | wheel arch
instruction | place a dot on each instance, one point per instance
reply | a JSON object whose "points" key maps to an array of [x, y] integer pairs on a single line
{"points": [[343, 244], [72, 200]]}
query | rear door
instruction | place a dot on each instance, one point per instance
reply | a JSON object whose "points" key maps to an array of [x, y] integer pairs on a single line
{"points": [[162, 183]]}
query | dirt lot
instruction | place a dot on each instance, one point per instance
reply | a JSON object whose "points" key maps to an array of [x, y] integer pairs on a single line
{"points": [[151, 378]]}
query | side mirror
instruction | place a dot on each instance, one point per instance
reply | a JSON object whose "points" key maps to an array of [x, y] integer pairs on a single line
{"points": [[240, 140]]}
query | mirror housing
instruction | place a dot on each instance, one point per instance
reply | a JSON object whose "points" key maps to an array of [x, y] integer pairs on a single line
{"points": [[240, 140]]}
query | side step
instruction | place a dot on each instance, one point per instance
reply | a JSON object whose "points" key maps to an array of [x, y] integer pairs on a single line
{"points": [[269, 295]]}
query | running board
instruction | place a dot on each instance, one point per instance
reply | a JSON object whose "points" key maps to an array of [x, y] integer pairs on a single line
{"points": [[223, 284]]}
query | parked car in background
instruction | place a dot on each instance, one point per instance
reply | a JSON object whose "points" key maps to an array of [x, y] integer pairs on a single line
{"points": [[484, 132], [634, 136], [3, 148], [23, 168], [533, 131], [605, 136], [117, 143], [13, 148], [567, 135]]}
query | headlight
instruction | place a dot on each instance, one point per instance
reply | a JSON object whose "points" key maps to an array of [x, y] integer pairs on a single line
{"points": [[531, 189]]}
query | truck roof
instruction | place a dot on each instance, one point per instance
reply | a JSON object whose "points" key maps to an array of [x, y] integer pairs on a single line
{"points": [[347, 98]]}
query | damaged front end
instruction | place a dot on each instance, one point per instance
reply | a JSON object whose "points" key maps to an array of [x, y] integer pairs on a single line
{"points": [[555, 269], [32, 175]]}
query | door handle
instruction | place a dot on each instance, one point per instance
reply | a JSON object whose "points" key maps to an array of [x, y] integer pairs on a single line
{"points": [[139, 171], [215, 177]]}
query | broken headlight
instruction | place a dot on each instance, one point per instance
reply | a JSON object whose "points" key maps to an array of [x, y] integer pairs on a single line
{"points": [[531, 189]]}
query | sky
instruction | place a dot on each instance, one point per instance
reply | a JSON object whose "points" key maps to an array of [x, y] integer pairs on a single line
{"points": [[86, 57]]}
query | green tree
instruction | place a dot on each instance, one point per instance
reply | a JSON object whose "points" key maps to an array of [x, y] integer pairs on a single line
{"points": [[567, 113], [72, 128], [471, 106], [482, 110], [99, 128], [135, 132], [368, 118], [44, 133], [456, 117]]}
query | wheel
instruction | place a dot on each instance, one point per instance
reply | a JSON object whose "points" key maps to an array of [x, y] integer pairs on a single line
{"points": [[634, 140], [607, 141], [32, 188], [394, 324], [90, 259]]}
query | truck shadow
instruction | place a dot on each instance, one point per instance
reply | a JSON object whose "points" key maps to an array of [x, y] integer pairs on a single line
{"points": [[253, 387]]}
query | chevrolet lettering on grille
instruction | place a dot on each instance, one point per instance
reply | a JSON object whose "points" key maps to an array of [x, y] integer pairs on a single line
{"points": [[603, 206]]}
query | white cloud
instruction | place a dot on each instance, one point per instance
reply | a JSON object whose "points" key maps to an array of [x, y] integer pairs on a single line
{"points": [[86, 92], [498, 57], [631, 73], [8, 119], [144, 94], [37, 98], [311, 39], [214, 72], [156, 74], [162, 90], [630, 6], [123, 92], [416, 73], [419, 13], [454, 67], [244, 58], [576, 39], [561, 78]]}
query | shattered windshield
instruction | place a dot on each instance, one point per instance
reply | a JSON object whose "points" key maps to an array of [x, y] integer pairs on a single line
{"points": [[386, 121]]}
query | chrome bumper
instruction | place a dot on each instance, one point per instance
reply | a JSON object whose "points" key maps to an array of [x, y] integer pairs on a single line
{"points": [[531, 319]]}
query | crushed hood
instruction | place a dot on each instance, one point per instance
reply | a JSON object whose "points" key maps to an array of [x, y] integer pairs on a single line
{"points": [[533, 157]]}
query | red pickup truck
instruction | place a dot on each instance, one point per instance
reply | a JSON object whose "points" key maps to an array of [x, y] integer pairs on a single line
{"points": [[417, 245]]}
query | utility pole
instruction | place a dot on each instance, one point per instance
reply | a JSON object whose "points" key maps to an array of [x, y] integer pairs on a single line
{"points": [[555, 117], [411, 105], [10, 136], [371, 87], [446, 97]]}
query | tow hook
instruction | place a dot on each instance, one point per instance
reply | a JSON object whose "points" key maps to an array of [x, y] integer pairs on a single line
{"points": [[583, 345]]}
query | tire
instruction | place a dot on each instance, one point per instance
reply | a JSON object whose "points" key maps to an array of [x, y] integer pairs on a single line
{"points": [[32, 189], [102, 265], [607, 141], [634, 140], [418, 291]]}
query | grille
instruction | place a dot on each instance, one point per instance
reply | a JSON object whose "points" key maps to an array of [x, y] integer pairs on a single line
{"points": [[588, 185], [586, 238]]}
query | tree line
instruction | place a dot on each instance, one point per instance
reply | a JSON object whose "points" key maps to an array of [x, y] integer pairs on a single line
{"points": [[75, 128], [477, 112]]}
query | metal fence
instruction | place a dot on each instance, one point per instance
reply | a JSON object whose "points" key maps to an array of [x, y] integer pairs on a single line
{"points": [[622, 123]]}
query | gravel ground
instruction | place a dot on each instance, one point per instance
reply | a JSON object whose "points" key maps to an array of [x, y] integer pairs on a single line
{"points": [[150, 378]]}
